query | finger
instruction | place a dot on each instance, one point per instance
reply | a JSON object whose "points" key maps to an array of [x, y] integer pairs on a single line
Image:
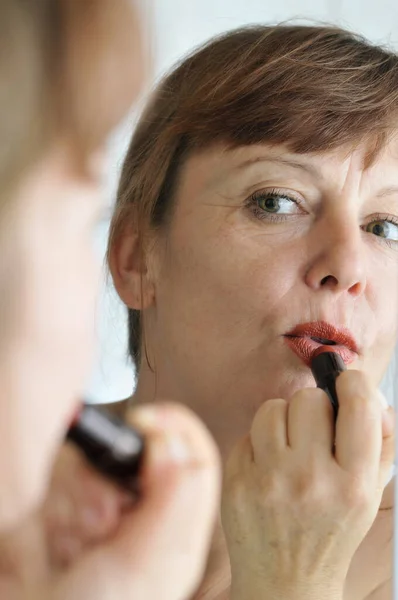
{"points": [[310, 423], [169, 532], [97, 503], [268, 433], [388, 416], [358, 426], [81, 508], [65, 549], [238, 463], [388, 446]]}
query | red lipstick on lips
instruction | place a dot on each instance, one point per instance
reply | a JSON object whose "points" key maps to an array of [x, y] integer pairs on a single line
{"points": [[309, 339]]}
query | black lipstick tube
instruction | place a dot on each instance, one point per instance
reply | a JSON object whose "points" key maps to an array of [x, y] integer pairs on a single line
{"points": [[326, 367], [110, 446]]}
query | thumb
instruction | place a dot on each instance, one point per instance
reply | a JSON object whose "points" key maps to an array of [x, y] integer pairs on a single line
{"points": [[180, 485], [161, 546]]}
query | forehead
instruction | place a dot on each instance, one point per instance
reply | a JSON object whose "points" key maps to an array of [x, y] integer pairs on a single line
{"points": [[217, 163]]}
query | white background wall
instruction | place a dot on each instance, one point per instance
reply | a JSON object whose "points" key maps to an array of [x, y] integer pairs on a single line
{"points": [[178, 26]]}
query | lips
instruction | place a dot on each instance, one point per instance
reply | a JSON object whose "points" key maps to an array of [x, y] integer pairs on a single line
{"points": [[309, 339]]}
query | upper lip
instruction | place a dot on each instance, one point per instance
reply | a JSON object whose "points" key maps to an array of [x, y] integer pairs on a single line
{"points": [[325, 331]]}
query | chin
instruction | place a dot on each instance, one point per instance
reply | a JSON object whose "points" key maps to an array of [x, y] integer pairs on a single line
{"points": [[288, 381]]}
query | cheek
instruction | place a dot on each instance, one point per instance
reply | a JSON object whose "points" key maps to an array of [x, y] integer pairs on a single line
{"points": [[56, 292], [49, 340], [382, 298], [226, 280], [382, 284], [60, 295]]}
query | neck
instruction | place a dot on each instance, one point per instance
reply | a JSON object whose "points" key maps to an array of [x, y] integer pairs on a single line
{"points": [[226, 432], [145, 391]]}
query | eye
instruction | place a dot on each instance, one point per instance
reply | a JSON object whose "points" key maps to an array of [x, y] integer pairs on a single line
{"points": [[384, 228], [274, 205]]}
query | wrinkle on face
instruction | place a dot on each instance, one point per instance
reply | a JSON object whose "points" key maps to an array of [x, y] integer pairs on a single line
{"points": [[231, 285]]}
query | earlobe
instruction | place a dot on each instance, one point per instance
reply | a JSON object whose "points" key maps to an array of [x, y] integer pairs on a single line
{"points": [[127, 263]]}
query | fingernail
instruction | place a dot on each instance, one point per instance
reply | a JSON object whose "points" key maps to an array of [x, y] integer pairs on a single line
{"points": [[166, 443], [167, 446], [179, 449]]}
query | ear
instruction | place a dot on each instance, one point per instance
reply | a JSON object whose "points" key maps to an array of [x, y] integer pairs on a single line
{"points": [[128, 266]]}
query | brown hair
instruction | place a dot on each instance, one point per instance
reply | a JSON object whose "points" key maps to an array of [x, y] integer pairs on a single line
{"points": [[60, 73], [314, 88]]}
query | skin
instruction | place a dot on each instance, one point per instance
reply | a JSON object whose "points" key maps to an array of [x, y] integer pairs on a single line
{"points": [[181, 463], [49, 267], [49, 323], [221, 287], [235, 284], [49, 276]]}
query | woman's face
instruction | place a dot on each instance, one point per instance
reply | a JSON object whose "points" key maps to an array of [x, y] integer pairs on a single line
{"points": [[49, 279], [263, 240], [49, 259]]}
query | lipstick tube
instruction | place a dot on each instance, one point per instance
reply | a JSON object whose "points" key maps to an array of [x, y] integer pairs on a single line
{"points": [[110, 446], [326, 367]]}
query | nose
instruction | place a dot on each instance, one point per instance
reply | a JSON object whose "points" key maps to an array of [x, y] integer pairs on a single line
{"points": [[337, 261]]}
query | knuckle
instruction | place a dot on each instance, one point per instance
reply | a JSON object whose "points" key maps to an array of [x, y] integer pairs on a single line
{"points": [[357, 494], [305, 485], [269, 411], [311, 488], [272, 490], [309, 396]]}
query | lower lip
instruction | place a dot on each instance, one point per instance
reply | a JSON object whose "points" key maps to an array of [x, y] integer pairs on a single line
{"points": [[306, 348]]}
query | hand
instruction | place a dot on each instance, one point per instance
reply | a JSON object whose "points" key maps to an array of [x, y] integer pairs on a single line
{"points": [[300, 494], [105, 545]]}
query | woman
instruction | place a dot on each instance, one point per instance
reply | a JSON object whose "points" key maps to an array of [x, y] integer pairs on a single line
{"points": [[61, 95], [257, 220]]}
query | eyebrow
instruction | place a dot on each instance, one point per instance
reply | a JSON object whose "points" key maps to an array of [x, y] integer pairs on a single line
{"points": [[302, 166], [388, 191], [287, 162]]}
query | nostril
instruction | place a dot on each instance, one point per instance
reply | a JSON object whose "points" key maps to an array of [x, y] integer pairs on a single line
{"points": [[329, 279]]}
